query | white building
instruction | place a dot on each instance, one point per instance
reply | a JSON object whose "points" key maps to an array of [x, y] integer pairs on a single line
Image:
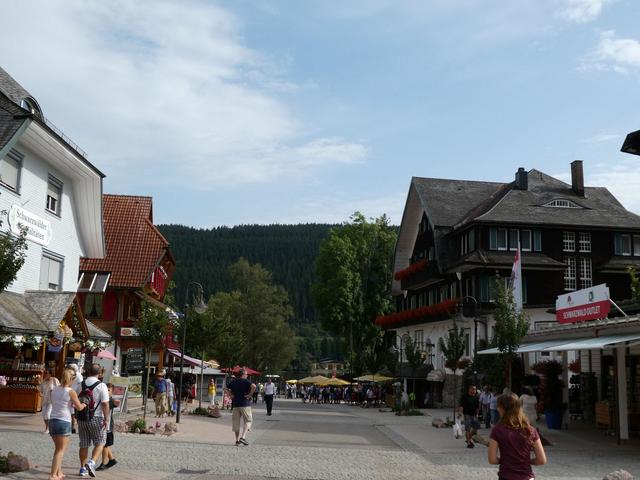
{"points": [[47, 186]]}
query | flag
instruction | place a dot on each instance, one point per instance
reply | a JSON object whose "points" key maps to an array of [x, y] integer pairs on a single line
{"points": [[516, 279]]}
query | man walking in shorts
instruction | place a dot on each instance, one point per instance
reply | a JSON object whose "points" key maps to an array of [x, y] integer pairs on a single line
{"points": [[94, 430], [241, 391]]}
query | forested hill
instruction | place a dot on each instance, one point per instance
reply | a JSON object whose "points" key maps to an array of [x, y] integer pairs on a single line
{"points": [[288, 251]]}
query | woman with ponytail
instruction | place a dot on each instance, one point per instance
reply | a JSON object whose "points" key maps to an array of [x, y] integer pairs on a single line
{"points": [[512, 440]]}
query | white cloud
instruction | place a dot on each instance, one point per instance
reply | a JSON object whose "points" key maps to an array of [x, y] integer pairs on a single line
{"points": [[614, 54], [162, 92], [602, 138], [338, 207], [582, 11]]}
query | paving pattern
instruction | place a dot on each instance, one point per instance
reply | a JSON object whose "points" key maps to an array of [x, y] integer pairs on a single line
{"points": [[317, 442]]}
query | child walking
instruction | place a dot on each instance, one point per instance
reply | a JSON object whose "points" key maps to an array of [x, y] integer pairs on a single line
{"points": [[108, 460], [512, 440]]}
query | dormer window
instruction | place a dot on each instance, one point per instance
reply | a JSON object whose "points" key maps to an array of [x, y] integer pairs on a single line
{"points": [[561, 203], [30, 105]]}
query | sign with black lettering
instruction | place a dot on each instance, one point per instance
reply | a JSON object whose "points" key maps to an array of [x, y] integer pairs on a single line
{"points": [[135, 359]]}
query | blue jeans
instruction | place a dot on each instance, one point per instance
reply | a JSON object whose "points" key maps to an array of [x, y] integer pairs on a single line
{"points": [[495, 417]]}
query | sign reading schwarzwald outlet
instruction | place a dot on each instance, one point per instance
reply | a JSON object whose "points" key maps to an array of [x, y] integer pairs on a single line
{"points": [[587, 304]]}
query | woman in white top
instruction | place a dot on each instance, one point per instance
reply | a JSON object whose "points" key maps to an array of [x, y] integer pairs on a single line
{"points": [[63, 398], [46, 386], [529, 404]]}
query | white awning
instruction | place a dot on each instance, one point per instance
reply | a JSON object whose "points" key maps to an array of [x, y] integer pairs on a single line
{"points": [[591, 343], [595, 343], [526, 347]]}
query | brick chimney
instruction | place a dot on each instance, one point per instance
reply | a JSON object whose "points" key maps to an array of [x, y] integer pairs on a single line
{"points": [[577, 177], [522, 179]]}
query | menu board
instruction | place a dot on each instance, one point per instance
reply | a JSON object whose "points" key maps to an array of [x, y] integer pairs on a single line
{"points": [[120, 388], [135, 359], [135, 386]]}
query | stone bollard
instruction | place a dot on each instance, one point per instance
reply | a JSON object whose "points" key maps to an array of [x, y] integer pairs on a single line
{"points": [[618, 475], [17, 463]]}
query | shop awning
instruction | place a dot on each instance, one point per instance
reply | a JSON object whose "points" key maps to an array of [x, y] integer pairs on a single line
{"points": [[595, 343], [196, 362], [591, 343], [527, 347]]}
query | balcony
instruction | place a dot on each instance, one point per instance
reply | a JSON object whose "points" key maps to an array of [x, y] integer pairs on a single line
{"points": [[432, 313]]}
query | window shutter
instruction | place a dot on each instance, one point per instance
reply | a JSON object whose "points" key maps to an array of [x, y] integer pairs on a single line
{"points": [[44, 273]]}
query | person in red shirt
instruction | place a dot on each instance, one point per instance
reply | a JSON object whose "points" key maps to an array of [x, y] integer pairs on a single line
{"points": [[512, 440]]}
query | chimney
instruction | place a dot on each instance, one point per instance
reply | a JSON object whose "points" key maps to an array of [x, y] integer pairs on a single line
{"points": [[577, 177], [522, 179]]}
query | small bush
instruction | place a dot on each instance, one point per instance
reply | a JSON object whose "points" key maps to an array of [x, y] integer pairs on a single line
{"points": [[200, 411], [138, 426]]}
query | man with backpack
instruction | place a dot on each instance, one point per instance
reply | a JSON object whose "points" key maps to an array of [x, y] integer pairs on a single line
{"points": [[92, 421]]}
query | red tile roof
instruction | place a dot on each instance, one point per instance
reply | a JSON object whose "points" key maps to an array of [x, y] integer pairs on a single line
{"points": [[134, 245]]}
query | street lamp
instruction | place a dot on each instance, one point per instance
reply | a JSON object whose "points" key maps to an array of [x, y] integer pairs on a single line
{"points": [[199, 306]]}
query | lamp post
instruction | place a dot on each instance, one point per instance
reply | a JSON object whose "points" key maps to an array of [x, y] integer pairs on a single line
{"points": [[199, 306], [632, 143]]}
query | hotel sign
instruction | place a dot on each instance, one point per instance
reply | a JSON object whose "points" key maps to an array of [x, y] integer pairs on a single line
{"points": [[38, 229], [587, 304]]}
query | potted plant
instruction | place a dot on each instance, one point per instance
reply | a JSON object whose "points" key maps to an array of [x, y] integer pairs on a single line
{"points": [[552, 387]]}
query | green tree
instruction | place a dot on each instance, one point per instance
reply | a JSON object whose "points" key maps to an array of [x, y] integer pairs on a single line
{"points": [[152, 326], [413, 354], [13, 253], [374, 353], [452, 347], [511, 325], [353, 268], [263, 314], [227, 342]]}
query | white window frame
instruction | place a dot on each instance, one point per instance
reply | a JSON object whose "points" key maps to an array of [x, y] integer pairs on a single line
{"points": [[636, 245], [94, 285], [506, 239], [55, 185], [526, 234], [570, 274], [513, 238], [46, 259], [586, 272], [568, 241], [584, 242], [17, 157], [623, 252]]}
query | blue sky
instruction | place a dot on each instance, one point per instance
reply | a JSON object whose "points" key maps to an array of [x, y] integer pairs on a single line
{"points": [[300, 111]]}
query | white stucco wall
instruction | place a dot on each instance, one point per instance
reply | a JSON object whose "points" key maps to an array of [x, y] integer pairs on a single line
{"points": [[65, 240]]}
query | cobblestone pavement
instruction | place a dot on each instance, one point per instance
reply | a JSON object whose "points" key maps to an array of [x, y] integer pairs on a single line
{"points": [[316, 442]]}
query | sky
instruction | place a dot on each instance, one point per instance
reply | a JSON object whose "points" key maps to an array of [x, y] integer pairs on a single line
{"points": [[267, 111]]}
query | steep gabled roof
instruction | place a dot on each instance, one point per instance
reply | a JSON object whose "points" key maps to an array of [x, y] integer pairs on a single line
{"points": [[448, 201], [12, 89], [134, 245], [599, 208], [12, 118]]}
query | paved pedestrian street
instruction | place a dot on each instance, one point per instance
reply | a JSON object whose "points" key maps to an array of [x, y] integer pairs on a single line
{"points": [[302, 441]]}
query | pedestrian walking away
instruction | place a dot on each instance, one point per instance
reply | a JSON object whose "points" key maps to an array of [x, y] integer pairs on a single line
{"points": [[485, 402], [77, 387], [269, 393], [241, 392], [47, 385], [211, 391], [512, 440], [63, 399], [469, 406], [92, 421]]}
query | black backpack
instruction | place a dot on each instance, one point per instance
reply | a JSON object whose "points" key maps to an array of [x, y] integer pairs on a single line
{"points": [[86, 397]]}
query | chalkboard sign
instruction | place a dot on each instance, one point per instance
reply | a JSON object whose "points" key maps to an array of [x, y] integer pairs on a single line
{"points": [[135, 359]]}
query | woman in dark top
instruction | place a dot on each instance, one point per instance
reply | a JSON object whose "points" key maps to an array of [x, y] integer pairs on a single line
{"points": [[514, 438]]}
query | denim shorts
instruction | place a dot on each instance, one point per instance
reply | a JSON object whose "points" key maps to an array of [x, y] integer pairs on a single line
{"points": [[59, 427]]}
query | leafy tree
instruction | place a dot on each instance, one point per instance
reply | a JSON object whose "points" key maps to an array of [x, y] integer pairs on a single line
{"points": [[452, 347], [227, 342], [413, 354], [374, 354], [511, 325], [152, 326], [263, 314], [13, 253], [351, 288]]}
